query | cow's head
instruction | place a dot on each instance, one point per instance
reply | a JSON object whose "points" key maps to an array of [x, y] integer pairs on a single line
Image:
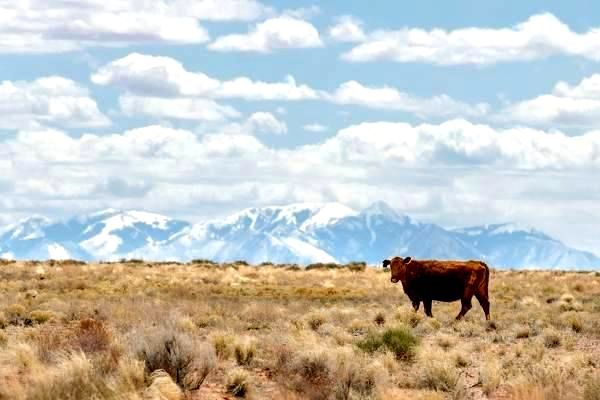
{"points": [[398, 267]]}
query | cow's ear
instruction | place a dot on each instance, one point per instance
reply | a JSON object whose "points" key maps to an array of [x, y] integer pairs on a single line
{"points": [[407, 260], [386, 263]]}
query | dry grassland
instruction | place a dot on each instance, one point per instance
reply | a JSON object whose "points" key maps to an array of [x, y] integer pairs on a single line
{"points": [[135, 330]]}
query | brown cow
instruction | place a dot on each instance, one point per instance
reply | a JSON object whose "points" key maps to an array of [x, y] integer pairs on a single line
{"points": [[427, 280]]}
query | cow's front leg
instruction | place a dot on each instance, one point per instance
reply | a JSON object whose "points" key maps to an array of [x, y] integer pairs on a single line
{"points": [[465, 307], [427, 306], [416, 304]]}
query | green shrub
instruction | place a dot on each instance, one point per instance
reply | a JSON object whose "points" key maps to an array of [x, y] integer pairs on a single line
{"points": [[400, 341]]}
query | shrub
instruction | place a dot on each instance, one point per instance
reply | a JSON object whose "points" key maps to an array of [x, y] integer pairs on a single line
{"points": [[54, 340], [238, 383], [178, 355], [162, 387], [437, 372], [400, 341], [353, 379], [76, 378], [357, 266], [40, 317], [17, 315], [522, 332], [379, 319], [551, 339], [3, 320], [202, 261], [93, 336], [591, 390], [572, 320], [490, 376], [222, 345], [244, 352], [315, 320], [322, 266]]}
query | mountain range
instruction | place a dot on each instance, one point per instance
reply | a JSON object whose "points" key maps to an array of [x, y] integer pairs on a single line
{"points": [[298, 233]]}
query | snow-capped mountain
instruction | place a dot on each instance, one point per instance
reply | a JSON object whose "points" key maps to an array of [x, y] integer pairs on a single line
{"points": [[298, 233], [107, 234], [505, 245], [276, 234]]}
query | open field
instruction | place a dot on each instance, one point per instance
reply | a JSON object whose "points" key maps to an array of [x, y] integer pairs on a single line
{"points": [[100, 331]]}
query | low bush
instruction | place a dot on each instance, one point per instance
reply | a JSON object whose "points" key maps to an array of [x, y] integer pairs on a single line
{"points": [[400, 341]]}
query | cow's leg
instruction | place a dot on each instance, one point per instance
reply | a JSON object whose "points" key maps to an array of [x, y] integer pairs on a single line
{"points": [[415, 304], [465, 301], [427, 307], [465, 307], [485, 304]]}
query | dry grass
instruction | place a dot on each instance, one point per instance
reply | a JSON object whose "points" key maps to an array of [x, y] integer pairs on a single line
{"points": [[136, 330]]}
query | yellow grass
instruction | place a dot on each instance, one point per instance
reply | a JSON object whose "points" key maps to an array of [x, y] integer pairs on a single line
{"points": [[204, 331]]}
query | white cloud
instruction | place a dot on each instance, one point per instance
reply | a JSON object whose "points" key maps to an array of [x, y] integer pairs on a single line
{"points": [[315, 127], [459, 142], [221, 10], [303, 12], [257, 123], [540, 36], [50, 100], [389, 98], [164, 76], [177, 108], [281, 32], [348, 29], [567, 106], [455, 172], [38, 26], [267, 123]]}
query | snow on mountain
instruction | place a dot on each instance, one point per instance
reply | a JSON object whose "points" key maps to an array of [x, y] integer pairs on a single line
{"points": [[105, 234], [297, 233], [276, 234], [515, 245]]}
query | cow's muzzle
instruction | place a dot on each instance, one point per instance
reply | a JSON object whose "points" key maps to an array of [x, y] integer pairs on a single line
{"points": [[394, 280]]}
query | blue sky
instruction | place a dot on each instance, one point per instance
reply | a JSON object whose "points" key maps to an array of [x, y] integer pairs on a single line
{"points": [[459, 113]]}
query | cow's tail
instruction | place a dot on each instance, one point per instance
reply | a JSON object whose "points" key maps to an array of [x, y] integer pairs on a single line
{"points": [[484, 284]]}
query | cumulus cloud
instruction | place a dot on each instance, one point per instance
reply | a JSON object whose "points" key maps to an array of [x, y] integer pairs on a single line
{"points": [[455, 172], [257, 123], [38, 26], [281, 32], [389, 98], [540, 36], [567, 106], [51, 100], [348, 29], [266, 122], [165, 76], [177, 108]]}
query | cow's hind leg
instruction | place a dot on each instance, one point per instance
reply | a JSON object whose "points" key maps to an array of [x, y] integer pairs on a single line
{"points": [[427, 307], [467, 296], [485, 304]]}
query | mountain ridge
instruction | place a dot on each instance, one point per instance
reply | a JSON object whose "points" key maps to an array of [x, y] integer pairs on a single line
{"points": [[299, 233]]}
